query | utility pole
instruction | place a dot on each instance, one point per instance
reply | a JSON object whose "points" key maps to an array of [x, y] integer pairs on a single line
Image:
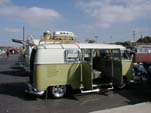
{"points": [[23, 35], [96, 38], [134, 34], [111, 39]]}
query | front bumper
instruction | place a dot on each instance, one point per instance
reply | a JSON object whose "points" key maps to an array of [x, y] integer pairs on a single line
{"points": [[34, 91]]}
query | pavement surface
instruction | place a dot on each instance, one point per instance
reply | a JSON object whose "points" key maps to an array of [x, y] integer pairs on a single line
{"points": [[13, 99], [137, 108]]}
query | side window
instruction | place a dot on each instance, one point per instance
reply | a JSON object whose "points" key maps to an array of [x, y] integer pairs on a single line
{"points": [[86, 55], [125, 55], [116, 54], [105, 53], [72, 55]]}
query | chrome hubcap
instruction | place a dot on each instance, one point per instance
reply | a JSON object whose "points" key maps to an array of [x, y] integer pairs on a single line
{"points": [[59, 91]]}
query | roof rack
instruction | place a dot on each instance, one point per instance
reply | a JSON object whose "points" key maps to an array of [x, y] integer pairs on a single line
{"points": [[57, 41]]}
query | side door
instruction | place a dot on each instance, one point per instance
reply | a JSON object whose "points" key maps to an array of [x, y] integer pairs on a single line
{"points": [[86, 68], [73, 67], [127, 64], [116, 67]]}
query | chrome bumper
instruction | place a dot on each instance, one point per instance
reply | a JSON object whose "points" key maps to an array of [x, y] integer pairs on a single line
{"points": [[32, 90]]}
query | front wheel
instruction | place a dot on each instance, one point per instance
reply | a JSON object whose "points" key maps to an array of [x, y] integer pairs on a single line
{"points": [[58, 91]]}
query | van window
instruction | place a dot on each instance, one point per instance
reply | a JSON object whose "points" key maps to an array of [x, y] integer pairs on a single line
{"points": [[105, 53], [125, 55], [115, 54], [86, 55], [72, 55], [32, 59]]}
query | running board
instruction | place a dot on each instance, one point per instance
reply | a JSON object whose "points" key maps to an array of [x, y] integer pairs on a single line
{"points": [[95, 90], [102, 85], [90, 91], [32, 90]]}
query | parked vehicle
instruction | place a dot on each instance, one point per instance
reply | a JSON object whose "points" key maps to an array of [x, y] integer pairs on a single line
{"points": [[48, 38], [142, 61], [88, 67]]}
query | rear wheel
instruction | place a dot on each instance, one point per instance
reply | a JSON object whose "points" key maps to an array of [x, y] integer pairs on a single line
{"points": [[58, 91]]}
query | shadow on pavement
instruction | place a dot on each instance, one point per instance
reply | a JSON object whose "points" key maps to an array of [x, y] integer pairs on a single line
{"points": [[16, 90], [17, 68], [15, 71], [136, 93]]}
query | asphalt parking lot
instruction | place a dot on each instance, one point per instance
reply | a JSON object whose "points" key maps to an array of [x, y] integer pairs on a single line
{"points": [[13, 99]]}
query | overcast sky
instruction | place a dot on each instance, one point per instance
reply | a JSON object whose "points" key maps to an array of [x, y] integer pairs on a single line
{"points": [[109, 20]]}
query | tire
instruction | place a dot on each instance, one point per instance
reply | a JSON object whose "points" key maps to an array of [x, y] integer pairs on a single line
{"points": [[58, 91]]}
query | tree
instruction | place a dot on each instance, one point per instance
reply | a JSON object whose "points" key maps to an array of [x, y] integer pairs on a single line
{"points": [[91, 41], [146, 39], [122, 43]]}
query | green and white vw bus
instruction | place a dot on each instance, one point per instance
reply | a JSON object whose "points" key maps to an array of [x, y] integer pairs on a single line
{"points": [[87, 67]]}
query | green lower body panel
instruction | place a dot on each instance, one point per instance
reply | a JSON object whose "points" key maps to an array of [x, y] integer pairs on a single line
{"points": [[57, 74]]}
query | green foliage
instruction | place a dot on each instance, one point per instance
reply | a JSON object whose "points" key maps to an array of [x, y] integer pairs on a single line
{"points": [[146, 39], [122, 43], [91, 41]]}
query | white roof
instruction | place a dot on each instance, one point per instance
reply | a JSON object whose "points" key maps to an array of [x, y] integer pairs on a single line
{"points": [[81, 46], [101, 46]]}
